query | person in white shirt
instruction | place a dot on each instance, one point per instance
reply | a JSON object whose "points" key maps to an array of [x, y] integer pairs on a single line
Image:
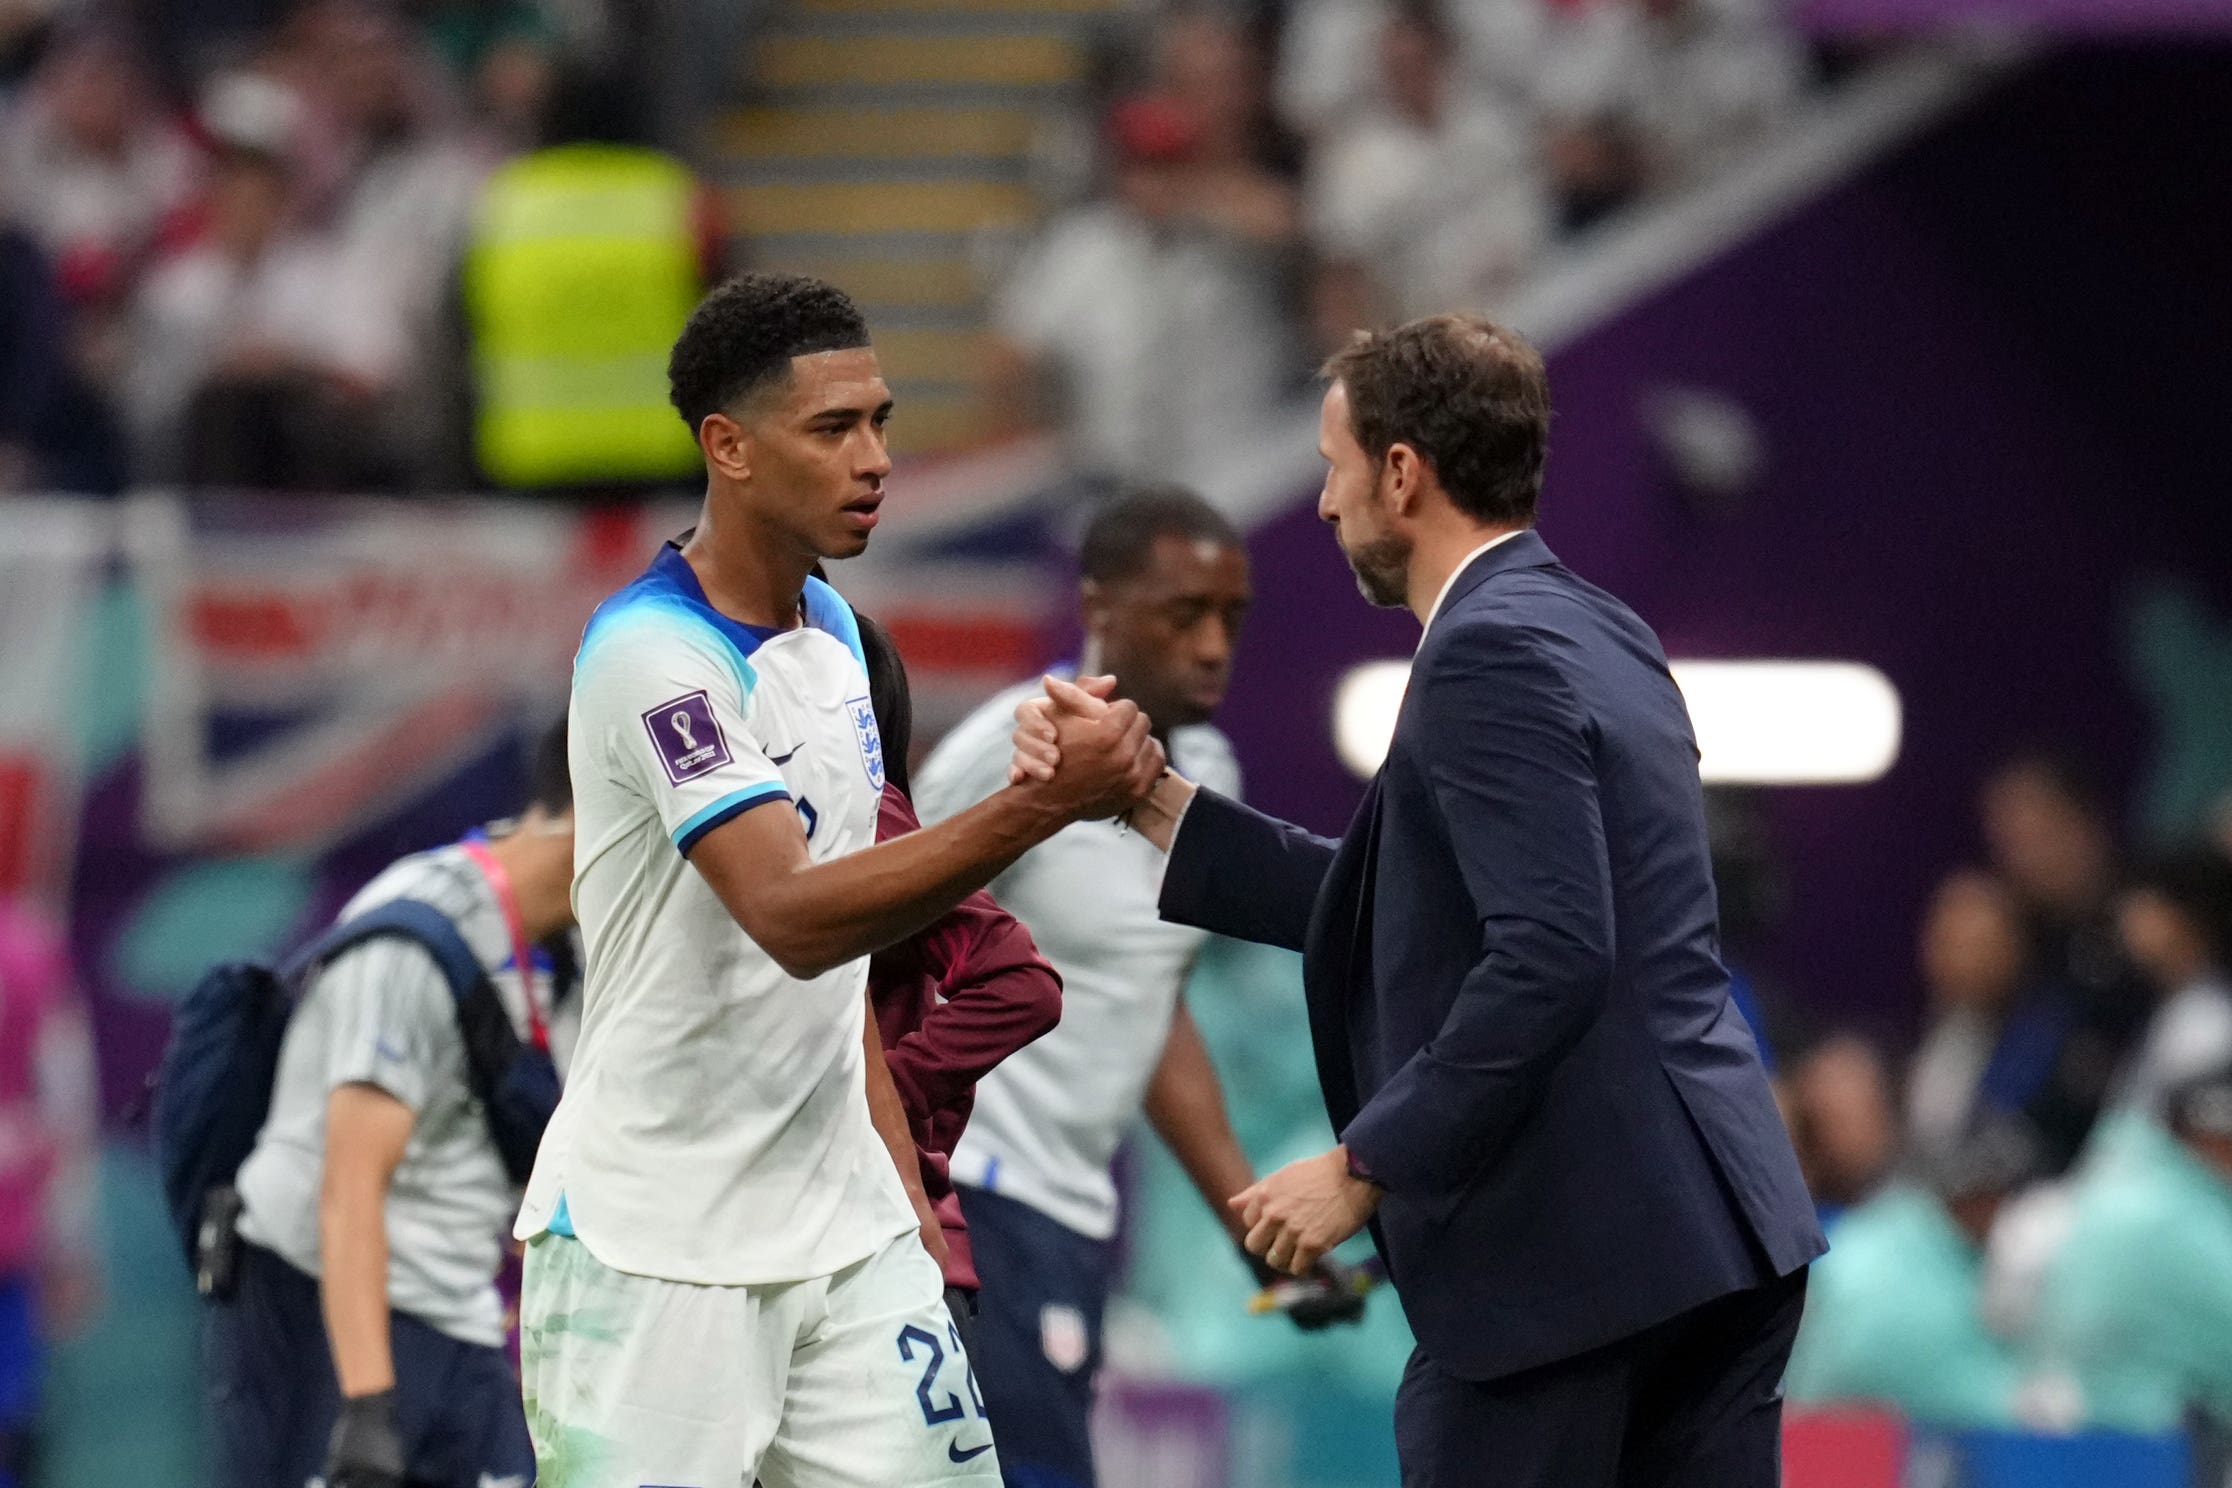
{"points": [[1154, 315], [363, 1339], [723, 1280], [1438, 192], [1165, 589]]}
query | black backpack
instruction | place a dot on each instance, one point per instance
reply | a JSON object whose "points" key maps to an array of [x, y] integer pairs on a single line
{"points": [[212, 1091]]}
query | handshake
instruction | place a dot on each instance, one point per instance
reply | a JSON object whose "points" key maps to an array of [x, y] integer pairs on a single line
{"points": [[1087, 754]]}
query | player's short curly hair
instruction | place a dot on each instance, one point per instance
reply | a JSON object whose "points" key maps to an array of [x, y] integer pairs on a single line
{"points": [[1469, 396], [744, 334]]}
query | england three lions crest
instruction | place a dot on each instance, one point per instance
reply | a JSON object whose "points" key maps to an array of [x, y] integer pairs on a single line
{"points": [[871, 741]]}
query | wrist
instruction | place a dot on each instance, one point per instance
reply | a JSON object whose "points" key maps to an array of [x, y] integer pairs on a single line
{"points": [[1359, 1170]]}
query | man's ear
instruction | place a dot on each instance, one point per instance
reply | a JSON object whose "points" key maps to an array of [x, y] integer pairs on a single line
{"points": [[726, 445], [1406, 481]]}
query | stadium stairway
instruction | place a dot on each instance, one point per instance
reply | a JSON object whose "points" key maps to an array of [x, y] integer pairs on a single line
{"points": [[881, 144]]}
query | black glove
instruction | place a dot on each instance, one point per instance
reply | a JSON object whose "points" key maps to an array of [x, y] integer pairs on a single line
{"points": [[1331, 1295], [366, 1449]]}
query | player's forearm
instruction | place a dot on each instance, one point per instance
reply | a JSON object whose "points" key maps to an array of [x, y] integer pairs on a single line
{"points": [[352, 1284], [818, 916], [1185, 1105]]}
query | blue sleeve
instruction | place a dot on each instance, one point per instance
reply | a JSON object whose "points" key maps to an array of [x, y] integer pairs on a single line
{"points": [[1508, 752], [1240, 873]]}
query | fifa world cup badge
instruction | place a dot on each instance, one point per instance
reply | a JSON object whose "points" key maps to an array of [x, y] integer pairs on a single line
{"points": [[871, 741]]}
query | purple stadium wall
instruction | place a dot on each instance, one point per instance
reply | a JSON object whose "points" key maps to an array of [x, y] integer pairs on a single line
{"points": [[1992, 379]]}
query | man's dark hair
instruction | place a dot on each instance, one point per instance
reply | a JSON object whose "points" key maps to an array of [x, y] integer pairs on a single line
{"points": [[549, 781], [2196, 882], [1123, 533], [743, 335], [1469, 396], [891, 697]]}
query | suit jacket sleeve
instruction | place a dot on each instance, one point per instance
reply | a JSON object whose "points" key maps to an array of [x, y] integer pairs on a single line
{"points": [[1237, 872], [1508, 752]]}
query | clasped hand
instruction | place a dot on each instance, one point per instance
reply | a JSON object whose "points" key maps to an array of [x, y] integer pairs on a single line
{"points": [[1298, 1214], [1093, 752]]}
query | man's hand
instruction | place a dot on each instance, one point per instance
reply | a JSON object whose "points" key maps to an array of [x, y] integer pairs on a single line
{"points": [[366, 1449], [1305, 1209], [1106, 757], [1037, 755]]}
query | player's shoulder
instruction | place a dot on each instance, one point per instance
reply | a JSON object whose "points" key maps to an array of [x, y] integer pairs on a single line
{"points": [[1202, 753], [443, 877], [970, 762], [990, 726]]}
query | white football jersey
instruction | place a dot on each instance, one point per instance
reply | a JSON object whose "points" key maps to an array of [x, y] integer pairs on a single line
{"points": [[1048, 1121], [715, 1124]]}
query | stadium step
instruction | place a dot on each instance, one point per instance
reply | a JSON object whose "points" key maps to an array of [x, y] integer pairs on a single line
{"points": [[885, 145]]}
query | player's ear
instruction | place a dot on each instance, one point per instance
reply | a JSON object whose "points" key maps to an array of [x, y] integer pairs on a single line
{"points": [[726, 445], [1092, 603]]}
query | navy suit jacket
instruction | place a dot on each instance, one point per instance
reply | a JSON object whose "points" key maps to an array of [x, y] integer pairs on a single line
{"points": [[1522, 1023]]}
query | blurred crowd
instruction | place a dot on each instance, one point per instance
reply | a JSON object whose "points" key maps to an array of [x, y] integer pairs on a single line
{"points": [[1255, 186], [231, 234], [2031, 1213], [237, 239]]}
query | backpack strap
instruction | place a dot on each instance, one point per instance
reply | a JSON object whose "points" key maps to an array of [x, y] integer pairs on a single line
{"points": [[409, 919]]}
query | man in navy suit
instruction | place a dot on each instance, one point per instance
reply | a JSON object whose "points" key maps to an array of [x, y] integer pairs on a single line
{"points": [[1551, 1114]]}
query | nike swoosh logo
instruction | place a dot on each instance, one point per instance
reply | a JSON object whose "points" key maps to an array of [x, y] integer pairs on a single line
{"points": [[953, 1450], [784, 759], [387, 1050]]}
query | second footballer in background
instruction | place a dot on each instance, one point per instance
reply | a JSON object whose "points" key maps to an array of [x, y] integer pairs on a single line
{"points": [[1165, 588]]}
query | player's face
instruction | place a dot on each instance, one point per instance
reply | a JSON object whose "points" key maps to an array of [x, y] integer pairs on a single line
{"points": [[818, 457], [1168, 632], [1353, 502]]}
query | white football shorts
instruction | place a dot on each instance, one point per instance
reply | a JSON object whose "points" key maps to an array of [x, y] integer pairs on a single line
{"points": [[856, 1380]]}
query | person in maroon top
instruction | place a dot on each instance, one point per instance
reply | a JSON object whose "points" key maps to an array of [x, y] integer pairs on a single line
{"points": [[952, 1001]]}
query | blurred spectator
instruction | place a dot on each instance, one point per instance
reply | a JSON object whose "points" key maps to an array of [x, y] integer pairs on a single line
{"points": [[239, 332], [1156, 323], [2134, 1325], [49, 1277], [95, 169], [1714, 76], [2176, 923], [1843, 1121], [2046, 822], [1645, 94], [1212, 67], [1892, 1312], [505, 54], [587, 257], [1990, 1047], [1434, 195], [34, 359], [391, 172], [1329, 62]]}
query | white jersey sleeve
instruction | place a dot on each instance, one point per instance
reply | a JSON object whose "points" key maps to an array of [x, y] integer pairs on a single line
{"points": [[670, 703]]}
